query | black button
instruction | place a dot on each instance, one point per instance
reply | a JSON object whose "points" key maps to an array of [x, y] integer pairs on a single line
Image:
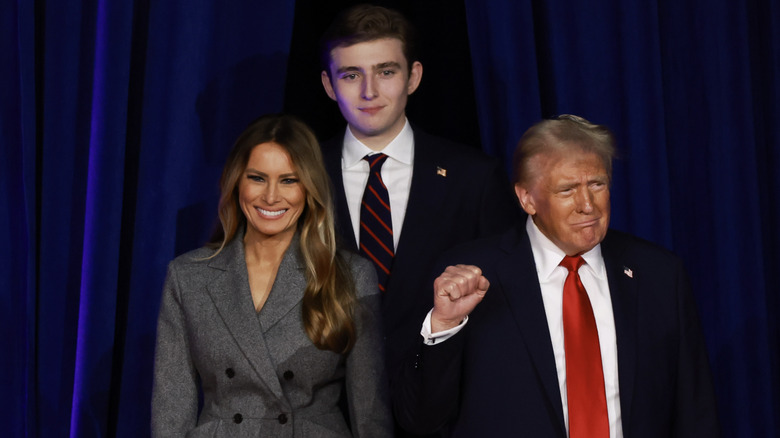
{"points": [[230, 373], [282, 418], [288, 375], [238, 418]]}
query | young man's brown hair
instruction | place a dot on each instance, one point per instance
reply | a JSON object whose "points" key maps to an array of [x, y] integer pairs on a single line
{"points": [[362, 23]]}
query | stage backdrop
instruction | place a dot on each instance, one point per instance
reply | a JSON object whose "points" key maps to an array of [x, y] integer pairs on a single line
{"points": [[117, 116]]}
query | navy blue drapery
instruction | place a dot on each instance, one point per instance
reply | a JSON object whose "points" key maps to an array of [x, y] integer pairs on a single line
{"points": [[116, 117]]}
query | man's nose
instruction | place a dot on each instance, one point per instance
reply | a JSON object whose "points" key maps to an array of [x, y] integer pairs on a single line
{"points": [[585, 200], [369, 88]]}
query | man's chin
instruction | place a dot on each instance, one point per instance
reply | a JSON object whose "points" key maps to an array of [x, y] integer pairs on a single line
{"points": [[587, 243]]}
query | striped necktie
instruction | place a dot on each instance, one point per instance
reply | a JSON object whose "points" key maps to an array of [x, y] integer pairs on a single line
{"points": [[376, 225]]}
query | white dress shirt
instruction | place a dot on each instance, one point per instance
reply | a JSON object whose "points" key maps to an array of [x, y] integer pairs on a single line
{"points": [[552, 276], [396, 174], [594, 277]]}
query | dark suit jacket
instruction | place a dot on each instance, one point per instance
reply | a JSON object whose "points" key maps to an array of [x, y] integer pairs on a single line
{"points": [[260, 374], [497, 377], [473, 200]]}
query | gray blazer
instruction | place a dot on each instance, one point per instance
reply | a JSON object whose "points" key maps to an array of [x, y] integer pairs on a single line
{"points": [[260, 374]]}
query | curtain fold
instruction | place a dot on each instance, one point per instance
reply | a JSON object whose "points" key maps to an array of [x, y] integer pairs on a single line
{"points": [[17, 225], [103, 204]]}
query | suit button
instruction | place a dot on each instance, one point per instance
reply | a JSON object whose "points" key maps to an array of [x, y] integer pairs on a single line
{"points": [[282, 418], [230, 373], [288, 375], [238, 418]]}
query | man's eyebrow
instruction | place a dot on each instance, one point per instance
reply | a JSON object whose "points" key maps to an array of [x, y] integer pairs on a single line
{"points": [[347, 68], [566, 185], [389, 64]]}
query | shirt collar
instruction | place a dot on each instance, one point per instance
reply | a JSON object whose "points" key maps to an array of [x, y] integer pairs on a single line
{"points": [[548, 256], [401, 148]]}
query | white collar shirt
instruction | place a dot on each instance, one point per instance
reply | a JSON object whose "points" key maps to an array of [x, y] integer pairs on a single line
{"points": [[593, 274], [396, 174]]}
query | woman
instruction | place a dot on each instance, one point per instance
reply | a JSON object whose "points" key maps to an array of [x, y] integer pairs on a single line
{"points": [[271, 323]]}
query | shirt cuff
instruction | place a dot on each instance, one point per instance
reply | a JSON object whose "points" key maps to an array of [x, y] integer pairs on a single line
{"points": [[437, 338]]}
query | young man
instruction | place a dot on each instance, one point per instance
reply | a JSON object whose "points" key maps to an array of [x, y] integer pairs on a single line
{"points": [[423, 194]]}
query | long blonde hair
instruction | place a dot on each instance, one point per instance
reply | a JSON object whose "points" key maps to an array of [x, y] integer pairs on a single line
{"points": [[329, 298]]}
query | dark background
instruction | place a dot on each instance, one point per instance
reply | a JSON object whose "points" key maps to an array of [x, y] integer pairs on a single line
{"points": [[117, 116]]}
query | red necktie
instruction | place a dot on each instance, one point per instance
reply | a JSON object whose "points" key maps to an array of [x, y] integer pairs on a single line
{"points": [[584, 377], [376, 225]]}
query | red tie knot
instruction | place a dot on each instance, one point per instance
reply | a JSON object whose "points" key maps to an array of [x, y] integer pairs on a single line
{"points": [[572, 263]]}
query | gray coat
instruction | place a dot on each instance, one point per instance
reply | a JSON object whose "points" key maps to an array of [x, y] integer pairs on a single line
{"points": [[260, 374]]}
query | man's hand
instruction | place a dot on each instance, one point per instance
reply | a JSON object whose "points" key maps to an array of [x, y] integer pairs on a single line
{"points": [[456, 292]]}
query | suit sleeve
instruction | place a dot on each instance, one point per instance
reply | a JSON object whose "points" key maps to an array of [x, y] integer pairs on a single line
{"points": [[426, 388], [696, 410], [175, 390], [366, 378]]}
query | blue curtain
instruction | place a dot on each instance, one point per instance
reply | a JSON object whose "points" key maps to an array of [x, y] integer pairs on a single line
{"points": [[116, 117], [691, 90]]}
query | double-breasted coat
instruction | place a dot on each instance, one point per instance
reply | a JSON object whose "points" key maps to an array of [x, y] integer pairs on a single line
{"points": [[259, 373]]}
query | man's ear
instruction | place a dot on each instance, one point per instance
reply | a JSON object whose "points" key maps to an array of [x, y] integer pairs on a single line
{"points": [[415, 76], [327, 85], [526, 199]]}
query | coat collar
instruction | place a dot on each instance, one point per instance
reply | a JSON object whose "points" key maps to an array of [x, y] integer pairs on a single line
{"points": [[624, 278], [288, 288], [427, 193], [331, 154], [516, 273], [230, 293], [517, 276]]}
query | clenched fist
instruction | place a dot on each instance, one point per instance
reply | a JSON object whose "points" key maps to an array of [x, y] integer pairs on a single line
{"points": [[456, 292]]}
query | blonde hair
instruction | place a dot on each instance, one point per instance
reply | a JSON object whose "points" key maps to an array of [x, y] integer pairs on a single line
{"points": [[561, 134], [329, 298]]}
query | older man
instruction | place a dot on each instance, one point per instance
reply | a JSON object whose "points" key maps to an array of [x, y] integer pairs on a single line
{"points": [[586, 332]]}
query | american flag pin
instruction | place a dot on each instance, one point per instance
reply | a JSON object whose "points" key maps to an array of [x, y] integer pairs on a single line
{"points": [[441, 171], [629, 273]]}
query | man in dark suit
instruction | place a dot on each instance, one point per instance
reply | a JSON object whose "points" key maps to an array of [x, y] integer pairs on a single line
{"points": [[585, 332], [438, 193]]}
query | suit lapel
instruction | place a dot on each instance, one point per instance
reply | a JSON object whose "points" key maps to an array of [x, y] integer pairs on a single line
{"points": [[287, 290], [426, 194], [231, 296], [517, 276], [332, 156], [624, 280]]}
